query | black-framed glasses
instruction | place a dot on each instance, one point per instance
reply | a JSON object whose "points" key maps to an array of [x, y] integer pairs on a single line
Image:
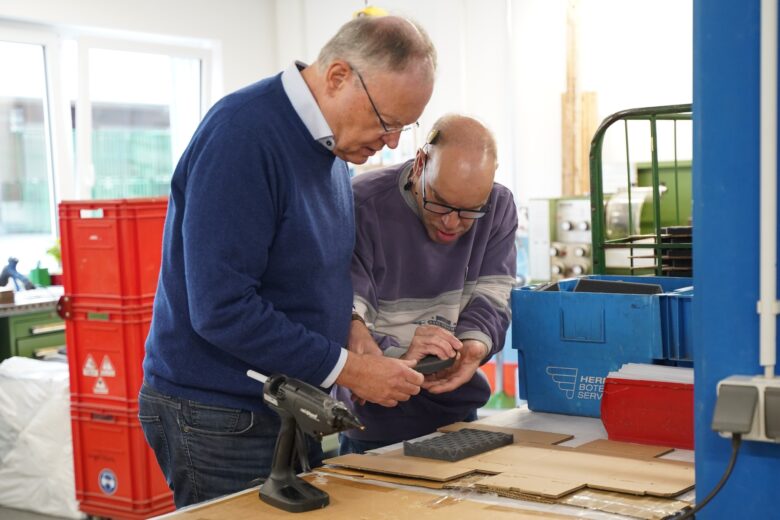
{"points": [[444, 209], [388, 129]]}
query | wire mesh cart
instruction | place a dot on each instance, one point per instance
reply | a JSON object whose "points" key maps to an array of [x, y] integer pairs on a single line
{"points": [[644, 227]]}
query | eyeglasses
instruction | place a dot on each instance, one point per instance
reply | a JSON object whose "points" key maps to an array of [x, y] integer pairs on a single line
{"points": [[444, 209], [388, 129]]}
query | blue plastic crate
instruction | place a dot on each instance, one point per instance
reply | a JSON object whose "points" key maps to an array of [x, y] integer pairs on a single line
{"points": [[676, 327], [568, 342]]}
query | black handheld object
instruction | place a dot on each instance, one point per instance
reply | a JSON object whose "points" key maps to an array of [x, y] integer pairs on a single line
{"points": [[302, 408], [430, 364]]}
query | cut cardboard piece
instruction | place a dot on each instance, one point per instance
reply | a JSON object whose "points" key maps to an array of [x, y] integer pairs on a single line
{"points": [[350, 499], [520, 435], [542, 470], [417, 482], [528, 485], [624, 449], [597, 471], [645, 507], [428, 469]]}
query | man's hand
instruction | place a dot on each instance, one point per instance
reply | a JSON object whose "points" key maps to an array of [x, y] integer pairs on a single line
{"points": [[432, 340], [381, 380], [360, 340], [447, 380]]}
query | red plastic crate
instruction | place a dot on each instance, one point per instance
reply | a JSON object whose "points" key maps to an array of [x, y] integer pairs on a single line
{"points": [[116, 472], [648, 412], [105, 346], [112, 248]]}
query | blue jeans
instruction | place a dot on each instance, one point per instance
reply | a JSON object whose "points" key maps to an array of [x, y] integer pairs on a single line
{"points": [[208, 451], [348, 445]]}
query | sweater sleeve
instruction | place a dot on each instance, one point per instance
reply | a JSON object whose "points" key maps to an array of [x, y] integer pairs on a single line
{"points": [[364, 283], [487, 315], [234, 204]]}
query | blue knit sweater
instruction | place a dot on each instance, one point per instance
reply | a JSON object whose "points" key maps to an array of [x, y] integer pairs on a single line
{"points": [[256, 255]]}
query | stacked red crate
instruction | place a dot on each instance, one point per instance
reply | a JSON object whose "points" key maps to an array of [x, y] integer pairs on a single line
{"points": [[111, 252]]}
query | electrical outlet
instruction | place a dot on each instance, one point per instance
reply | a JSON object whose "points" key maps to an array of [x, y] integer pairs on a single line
{"points": [[766, 411]]}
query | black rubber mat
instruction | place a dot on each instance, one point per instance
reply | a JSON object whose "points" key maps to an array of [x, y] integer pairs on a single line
{"points": [[455, 446]]}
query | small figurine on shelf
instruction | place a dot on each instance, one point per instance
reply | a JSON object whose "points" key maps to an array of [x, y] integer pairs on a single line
{"points": [[10, 272]]}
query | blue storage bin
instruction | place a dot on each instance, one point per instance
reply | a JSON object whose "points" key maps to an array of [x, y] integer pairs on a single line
{"points": [[676, 327], [568, 342]]}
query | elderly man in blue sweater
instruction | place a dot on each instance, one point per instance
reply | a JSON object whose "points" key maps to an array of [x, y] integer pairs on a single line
{"points": [[432, 271], [256, 255]]}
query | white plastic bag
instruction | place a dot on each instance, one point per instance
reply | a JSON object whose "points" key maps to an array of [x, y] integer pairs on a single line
{"points": [[36, 451]]}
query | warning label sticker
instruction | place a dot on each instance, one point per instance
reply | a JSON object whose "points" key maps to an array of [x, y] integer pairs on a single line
{"points": [[90, 367], [100, 386], [106, 368]]}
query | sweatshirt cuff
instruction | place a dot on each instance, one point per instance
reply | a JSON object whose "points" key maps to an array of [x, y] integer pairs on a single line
{"points": [[477, 335], [336, 372], [394, 352]]}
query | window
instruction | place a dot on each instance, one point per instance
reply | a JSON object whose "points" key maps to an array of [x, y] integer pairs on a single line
{"points": [[25, 172], [88, 118], [141, 109]]}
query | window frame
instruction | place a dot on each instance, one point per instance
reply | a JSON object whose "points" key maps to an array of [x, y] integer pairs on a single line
{"points": [[56, 114], [84, 174]]}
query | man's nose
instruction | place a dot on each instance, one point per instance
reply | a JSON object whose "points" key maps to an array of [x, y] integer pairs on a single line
{"points": [[391, 140], [451, 220]]}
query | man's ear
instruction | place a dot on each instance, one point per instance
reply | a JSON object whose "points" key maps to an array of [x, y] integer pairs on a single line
{"points": [[337, 76], [419, 163]]}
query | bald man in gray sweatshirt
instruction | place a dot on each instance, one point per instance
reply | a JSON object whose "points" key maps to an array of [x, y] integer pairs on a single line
{"points": [[433, 267]]}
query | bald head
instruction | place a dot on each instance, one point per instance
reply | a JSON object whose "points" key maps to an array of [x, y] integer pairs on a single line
{"points": [[473, 144], [455, 172]]}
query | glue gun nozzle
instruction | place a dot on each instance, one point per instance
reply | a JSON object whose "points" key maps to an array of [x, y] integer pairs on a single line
{"points": [[345, 420]]}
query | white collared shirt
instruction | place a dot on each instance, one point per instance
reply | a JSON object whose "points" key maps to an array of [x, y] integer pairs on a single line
{"points": [[307, 109], [306, 106]]}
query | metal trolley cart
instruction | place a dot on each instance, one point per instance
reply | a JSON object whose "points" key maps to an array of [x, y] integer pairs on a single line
{"points": [[645, 227]]}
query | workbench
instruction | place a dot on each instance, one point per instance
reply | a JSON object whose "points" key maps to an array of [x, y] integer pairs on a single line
{"points": [[31, 322], [360, 498]]}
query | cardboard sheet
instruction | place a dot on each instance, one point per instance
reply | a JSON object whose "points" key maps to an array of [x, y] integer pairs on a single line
{"points": [[624, 449], [597, 471], [416, 467], [532, 436], [647, 508], [349, 499], [380, 477], [528, 485], [566, 470], [543, 471]]}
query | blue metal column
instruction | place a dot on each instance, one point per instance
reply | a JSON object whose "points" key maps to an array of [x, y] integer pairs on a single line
{"points": [[726, 248]]}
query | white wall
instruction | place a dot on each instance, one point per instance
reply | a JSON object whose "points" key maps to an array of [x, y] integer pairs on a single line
{"points": [[501, 60], [505, 62], [242, 31]]}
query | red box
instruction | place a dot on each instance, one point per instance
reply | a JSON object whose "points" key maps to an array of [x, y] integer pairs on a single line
{"points": [[648, 412], [105, 346], [116, 472], [112, 248]]}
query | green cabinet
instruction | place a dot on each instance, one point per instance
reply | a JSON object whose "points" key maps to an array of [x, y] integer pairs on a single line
{"points": [[23, 334]]}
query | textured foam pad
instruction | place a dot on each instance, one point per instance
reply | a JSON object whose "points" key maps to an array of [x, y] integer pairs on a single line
{"points": [[458, 445]]}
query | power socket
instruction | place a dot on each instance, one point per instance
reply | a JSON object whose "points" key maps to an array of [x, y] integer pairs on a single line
{"points": [[767, 410]]}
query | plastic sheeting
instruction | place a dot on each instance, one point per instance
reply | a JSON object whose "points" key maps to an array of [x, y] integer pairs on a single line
{"points": [[36, 451]]}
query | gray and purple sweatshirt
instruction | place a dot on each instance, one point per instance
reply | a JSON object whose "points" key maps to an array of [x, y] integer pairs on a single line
{"points": [[402, 280]]}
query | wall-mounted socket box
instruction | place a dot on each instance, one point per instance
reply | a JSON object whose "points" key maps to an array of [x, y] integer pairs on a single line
{"points": [[766, 417]]}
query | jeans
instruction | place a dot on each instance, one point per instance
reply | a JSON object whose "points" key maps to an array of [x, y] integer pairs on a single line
{"points": [[208, 451], [348, 445]]}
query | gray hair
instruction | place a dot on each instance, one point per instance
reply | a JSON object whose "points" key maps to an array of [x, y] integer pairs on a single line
{"points": [[390, 43]]}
